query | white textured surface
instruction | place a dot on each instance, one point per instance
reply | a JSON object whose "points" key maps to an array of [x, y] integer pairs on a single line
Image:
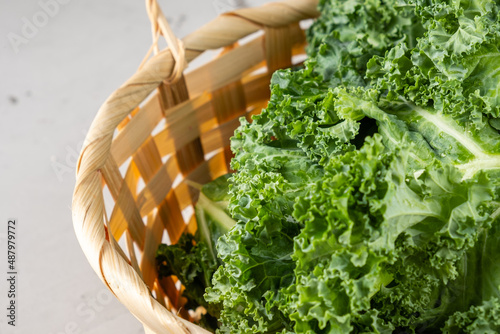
{"points": [[51, 85]]}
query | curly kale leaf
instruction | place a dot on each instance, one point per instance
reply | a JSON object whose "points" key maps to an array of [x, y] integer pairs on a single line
{"points": [[366, 193]]}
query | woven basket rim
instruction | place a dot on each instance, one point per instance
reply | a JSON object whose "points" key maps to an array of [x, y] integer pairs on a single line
{"points": [[88, 211]]}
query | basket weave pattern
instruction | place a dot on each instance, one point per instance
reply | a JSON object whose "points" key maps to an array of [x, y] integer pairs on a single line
{"points": [[161, 128]]}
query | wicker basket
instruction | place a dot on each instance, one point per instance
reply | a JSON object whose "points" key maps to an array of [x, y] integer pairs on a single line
{"points": [[162, 127]]}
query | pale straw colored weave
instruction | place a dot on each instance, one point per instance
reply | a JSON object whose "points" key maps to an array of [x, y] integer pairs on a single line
{"points": [[165, 126]]}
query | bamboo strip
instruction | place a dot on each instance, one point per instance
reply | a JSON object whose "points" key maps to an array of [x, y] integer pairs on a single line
{"points": [[192, 226], [156, 190], [191, 155], [209, 170], [136, 131], [117, 248], [256, 88], [160, 295], [132, 255], [173, 94], [213, 168], [185, 197], [167, 285], [226, 68], [126, 217], [216, 34], [112, 177], [276, 14], [229, 101], [178, 134], [278, 47], [154, 233], [147, 159], [89, 208], [125, 214], [132, 177], [219, 137], [130, 140], [171, 216]]}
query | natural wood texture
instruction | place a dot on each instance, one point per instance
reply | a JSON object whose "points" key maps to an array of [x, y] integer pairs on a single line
{"points": [[165, 126]]}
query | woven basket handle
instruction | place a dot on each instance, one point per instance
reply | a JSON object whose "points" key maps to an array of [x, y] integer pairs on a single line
{"points": [[161, 27]]}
